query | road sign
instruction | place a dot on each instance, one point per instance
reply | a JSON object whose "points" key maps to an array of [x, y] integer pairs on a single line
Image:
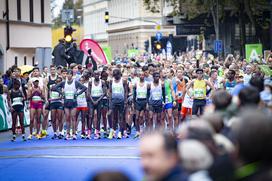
{"points": [[67, 15], [169, 48], [218, 46], [253, 51], [158, 36]]}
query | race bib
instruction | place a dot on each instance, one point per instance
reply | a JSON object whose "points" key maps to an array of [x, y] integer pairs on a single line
{"points": [[54, 95], [17, 101], [198, 93], [36, 98], [69, 95], [157, 96], [96, 92]]}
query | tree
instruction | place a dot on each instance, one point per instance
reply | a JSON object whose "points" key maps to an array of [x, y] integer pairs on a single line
{"points": [[68, 4], [242, 9]]}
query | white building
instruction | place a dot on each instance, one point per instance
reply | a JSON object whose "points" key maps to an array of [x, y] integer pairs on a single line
{"points": [[27, 31], [94, 23], [130, 24]]}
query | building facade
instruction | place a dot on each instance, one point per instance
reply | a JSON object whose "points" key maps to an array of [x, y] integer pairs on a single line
{"points": [[130, 24], [94, 23], [24, 29]]}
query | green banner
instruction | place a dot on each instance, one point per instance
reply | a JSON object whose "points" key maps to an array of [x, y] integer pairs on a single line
{"points": [[133, 52], [5, 115], [266, 70], [107, 51], [253, 51]]}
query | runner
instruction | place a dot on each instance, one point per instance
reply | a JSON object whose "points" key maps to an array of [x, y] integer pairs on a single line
{"points": [[199, 92], [179, 95], [82, 107], [70, 87], [96, 90], [231, 82], [36, 97], [16, 103], [140, 97], [169, 102], [105, 105], [56, 108], [118, 92], [155, 102]]}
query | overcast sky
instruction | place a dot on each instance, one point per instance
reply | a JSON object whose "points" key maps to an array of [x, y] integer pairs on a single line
{"points": [[59, 4]]}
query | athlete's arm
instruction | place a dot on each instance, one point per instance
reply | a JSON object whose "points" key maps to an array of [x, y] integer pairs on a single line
{"points": [[125, 84], [29, 93], [89, 97], [134, 92], [189, 86], [80, 86], [104, 88], [209, 84], [59, 87]]}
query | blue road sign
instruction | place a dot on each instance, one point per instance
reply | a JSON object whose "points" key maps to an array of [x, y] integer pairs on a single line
{"points": [[218, 46], [158, 36], [169, 48]]}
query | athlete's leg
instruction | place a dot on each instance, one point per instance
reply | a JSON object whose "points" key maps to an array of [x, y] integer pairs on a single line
{"points": [[21, 120], [32, 118], [54, 119], [68, 120], [14, 122], [73, 120], [38, 120]]}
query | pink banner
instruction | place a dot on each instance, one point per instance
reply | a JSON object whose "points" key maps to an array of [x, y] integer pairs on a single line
{"points": [[97, 52]]}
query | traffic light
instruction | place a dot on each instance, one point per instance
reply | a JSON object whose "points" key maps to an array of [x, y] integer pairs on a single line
{"points": [[68, 31], [107, 17], [146, 45], [158, 46]]}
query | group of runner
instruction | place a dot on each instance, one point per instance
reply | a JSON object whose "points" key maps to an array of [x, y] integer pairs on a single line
{"points": [[112, 99]]}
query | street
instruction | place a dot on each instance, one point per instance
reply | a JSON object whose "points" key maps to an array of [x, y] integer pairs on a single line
{"points": [[48, 159]]}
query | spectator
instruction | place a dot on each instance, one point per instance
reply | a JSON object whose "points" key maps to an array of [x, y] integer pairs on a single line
{"points": [[253, 144], [159, 157]]}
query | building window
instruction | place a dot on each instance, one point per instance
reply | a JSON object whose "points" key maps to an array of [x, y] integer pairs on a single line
{"points": [[42, 11], [31, 10], [24, 60], [33, 61], [19, 9], [16, 60]]}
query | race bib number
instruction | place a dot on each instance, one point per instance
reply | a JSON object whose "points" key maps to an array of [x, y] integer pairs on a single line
{"points": [[54, 95], [69, 95], [36, 98], [198, 93], [17, 101]]}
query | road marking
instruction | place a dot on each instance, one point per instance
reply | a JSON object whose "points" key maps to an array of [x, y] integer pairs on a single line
{"points": [[72, 156], [68, 147]]}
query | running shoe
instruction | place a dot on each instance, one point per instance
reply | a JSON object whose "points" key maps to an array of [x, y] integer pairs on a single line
{"points": [[23, 138], [102, 130], [119, 135], [105, 135], [13, 138], [60, 136], [43, 134], [67, 137], [82, 136], [96, 136], [29, 137], [88, 137], [74, 137], [125, 135], [38, 136], [137, 135], [55, 136], [111, 134]]}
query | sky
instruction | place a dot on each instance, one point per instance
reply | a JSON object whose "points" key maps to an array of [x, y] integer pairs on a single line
{"points": [[59, 4]]}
